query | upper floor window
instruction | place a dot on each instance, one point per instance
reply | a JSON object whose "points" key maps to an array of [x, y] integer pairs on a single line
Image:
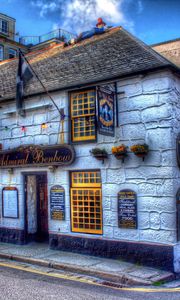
{"points": [[4, 26], [1, 52], [12, 53], [83, 114]]}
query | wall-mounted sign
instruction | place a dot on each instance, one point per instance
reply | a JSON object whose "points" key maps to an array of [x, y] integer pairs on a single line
{"points": [[127, 209], [37, 156], [105, 111], [178, 213], [10, 202], [178, 149], [57, 202]]}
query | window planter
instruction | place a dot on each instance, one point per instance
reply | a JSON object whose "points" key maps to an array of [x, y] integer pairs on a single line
{"points": [[99, 154], [120, 152], [140, 150]]}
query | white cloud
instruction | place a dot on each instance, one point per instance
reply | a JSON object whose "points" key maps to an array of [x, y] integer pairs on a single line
{"points": [[45, 7], [80, 15], [140, 6]]}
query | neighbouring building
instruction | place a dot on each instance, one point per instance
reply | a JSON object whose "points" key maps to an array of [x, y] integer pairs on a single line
{"points": [[170, 50], [11, 42], [110, 89]]}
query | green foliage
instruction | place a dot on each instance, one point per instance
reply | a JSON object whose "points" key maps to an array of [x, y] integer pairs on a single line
{"points": [[98, 151]]}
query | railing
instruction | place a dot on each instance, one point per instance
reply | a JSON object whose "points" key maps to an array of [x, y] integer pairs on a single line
{"points": [[59, 34]]}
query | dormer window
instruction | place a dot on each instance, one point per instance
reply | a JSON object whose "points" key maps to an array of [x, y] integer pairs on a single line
{"points": [[12, 53], [4, 26]]}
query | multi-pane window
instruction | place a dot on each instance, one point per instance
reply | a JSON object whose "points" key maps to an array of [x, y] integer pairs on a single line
{"points": [[86, 203], [4, 26], [1, 52], [83, 115], [12, 53]]}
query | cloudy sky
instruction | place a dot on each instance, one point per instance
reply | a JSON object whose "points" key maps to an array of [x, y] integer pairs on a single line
{"points": [[152, 21]]}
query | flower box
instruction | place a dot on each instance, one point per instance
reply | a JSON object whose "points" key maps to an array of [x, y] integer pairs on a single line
{"points": [[140, 150], [120, 152], [99, 154]]}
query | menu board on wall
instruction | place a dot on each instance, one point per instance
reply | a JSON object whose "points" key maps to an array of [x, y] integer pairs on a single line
{"points": [[10, 202], [127, 209], [57, 202]]}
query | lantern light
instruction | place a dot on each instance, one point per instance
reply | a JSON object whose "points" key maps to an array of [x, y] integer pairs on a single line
{"points": [[44, 126], [23, 128]]}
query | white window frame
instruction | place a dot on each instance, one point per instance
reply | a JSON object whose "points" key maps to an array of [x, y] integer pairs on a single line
{"points": [[9, 52], [1, 52], [6, 31]]}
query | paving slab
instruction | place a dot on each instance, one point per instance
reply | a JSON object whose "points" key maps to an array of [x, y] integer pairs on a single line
{"points": [[74, 259], [113, 266], [173, 284], [144, 272], [27, 252]]}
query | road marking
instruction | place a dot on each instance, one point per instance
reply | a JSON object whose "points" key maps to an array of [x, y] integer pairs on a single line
{"points": [[88, 281]]}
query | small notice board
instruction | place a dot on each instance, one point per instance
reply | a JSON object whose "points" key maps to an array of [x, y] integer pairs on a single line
{"points": [[57, 202], [127, 209], [10, 207]]}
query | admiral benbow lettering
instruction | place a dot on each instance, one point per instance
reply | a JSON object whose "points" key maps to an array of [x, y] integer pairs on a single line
{"points": [[36, 155]]}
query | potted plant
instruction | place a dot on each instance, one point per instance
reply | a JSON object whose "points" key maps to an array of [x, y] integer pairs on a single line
{"points": [[120, 152], [140, 150], [99, 153]]}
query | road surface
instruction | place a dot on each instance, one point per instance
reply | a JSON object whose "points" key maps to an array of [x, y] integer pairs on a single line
{"points": [[26, 282]]}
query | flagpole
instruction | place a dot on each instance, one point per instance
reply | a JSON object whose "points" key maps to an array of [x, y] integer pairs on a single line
{"points": [[41, 83]]}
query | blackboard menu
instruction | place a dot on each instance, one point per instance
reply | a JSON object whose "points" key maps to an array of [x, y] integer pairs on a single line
{"points": [[178, 213], [10, 202], [127, 209], [57, 202]]}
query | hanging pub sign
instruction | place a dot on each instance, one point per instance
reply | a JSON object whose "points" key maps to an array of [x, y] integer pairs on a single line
{"points": [[127, 209], [105, 98], [109, 86], [10, 202], [57, 202], [36, 155]]}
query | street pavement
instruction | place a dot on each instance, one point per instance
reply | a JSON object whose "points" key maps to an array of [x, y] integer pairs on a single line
{"points": [[114, 271], [20, 281]]}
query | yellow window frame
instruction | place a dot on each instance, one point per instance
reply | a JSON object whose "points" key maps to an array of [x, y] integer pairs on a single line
{"points": [[86, 202], [86, 179], [83, 112]]}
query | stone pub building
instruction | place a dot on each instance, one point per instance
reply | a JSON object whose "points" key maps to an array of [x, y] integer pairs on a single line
{"points": [[110, 90]]}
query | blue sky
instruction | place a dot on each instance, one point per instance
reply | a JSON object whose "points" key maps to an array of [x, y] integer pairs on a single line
{"points": [[152, 21]]}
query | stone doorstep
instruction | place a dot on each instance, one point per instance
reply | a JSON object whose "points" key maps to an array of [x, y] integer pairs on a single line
{"points": [[109, 278]]}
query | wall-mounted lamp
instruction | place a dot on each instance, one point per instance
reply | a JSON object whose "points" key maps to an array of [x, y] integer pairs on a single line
{"points": [[10, 171], [52, 168]]}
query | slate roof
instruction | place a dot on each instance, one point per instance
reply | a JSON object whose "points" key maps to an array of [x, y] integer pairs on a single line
{"points": [[113, 54]]}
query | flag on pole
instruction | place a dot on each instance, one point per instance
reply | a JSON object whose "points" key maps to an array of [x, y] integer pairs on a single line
{"points": [[24, 74]]}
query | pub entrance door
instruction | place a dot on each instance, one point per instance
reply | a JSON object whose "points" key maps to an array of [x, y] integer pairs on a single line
{"points": [[36, 207]]}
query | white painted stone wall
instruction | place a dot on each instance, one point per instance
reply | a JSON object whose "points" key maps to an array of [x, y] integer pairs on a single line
{"points": [[149, 112]]}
